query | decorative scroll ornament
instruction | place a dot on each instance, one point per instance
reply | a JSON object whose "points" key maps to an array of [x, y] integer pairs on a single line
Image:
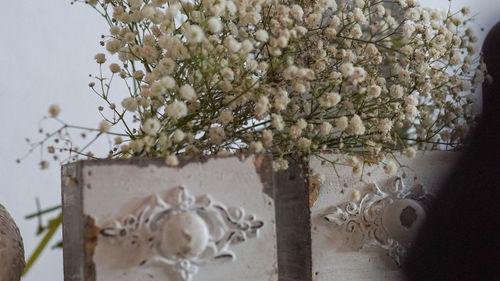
{"points": [[385, 218], [183, 232]]}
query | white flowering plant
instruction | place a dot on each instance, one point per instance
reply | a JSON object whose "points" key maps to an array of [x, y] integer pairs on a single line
{"points": [[366, 78], [289, 78]]}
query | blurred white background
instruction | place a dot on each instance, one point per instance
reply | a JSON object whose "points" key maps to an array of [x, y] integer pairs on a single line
{"points": [[46, 56]]}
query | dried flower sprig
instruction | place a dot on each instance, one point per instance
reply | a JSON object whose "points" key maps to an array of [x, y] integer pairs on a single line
{"points": [[366, 78]]}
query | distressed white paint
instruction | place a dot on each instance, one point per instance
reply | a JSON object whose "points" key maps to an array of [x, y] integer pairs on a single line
{"points": [[113, 192], [342, 256]]}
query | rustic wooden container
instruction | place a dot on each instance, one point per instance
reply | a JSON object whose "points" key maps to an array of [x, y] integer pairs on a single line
{"points": [[137, 219], [235, 219]]}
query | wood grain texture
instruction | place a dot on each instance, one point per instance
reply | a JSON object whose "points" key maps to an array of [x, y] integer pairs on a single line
{"points": [[293, 224], [73, 247]]}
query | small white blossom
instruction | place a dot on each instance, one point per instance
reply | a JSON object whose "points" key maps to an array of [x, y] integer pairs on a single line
{"points": [[385, 125], [295, 131], [171, 160], [411, 110], [137, 145], [226, 117], [227, 73], [104, 126], [411, 100], [100, 58], [329, 100], [217, 135], [114, 68], [178, 136], [297, 12], [280, 164], [374, 91], [54, 110], [341, 123], [214, 25], [304, 144], [168, 82], [410, 152], [347, 69], [301, 123], [355, 31], [277, 122], [326, 128], [257, 147], [194, 34], [356, 126], [267, 137], [396, 91], [261, 35], [358, 75], [187, 92], [138, 75], [232, 44], [246, 46], [408, 30], [44, 165], [262, 107], [151, 126], [177, 109], [380, 10], [465, 11]]}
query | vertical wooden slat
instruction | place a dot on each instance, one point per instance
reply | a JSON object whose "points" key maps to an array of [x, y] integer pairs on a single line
{"points": [[293, 224], [73, 244]]}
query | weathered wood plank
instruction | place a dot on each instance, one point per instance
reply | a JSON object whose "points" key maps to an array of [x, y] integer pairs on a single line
{"points": [[71, 180], [293, 224]]}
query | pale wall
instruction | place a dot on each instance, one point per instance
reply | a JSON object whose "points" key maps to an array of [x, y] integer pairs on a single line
{"points": [[46, 55]]}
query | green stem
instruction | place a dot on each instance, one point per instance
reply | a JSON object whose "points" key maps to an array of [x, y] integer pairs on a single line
{"points": [[42, 212], [53, 227]]}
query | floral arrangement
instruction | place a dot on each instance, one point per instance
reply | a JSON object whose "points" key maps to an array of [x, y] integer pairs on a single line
{"points": [[365, 78]]}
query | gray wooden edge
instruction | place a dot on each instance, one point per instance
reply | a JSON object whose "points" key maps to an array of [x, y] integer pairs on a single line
{"points": [[293, 224], [73, 236]]}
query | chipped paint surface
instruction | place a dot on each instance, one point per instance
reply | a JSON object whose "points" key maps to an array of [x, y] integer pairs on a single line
{"points": [[113, 191], [340, 255]]}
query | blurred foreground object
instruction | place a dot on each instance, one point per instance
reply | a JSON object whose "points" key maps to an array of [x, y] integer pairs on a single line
{"points": [[11, 248], [460, 240]]}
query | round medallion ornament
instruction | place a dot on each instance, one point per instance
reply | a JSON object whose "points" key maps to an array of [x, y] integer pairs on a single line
{"points": [[402, 219], [183, 235]]}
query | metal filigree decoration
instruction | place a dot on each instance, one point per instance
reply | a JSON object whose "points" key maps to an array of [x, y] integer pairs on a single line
{"points": [[384, 218], [183, 232]]}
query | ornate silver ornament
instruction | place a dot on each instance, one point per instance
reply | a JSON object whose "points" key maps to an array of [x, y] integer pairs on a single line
{"points": [[182, 232], [387, 218]]}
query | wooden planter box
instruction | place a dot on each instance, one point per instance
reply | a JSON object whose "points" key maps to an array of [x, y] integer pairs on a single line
{"points": [[235, 219]]}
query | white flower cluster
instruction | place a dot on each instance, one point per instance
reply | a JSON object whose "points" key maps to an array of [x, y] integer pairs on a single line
{"points": [[290, 77]]}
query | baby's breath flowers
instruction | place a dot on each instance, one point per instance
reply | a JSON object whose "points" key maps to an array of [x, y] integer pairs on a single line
{"points": [[365, 78], [54, 110]]}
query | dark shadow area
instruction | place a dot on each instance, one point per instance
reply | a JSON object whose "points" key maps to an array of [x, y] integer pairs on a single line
{"points": [[461, 237]]}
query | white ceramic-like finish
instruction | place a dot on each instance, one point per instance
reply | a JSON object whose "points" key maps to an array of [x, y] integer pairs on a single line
{"points": [[205, 221], [353, 217], [402, 219], [184, 235]]}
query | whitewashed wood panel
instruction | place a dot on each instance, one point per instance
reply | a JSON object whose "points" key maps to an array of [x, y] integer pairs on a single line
{"points": [[343, 244], [210, 220]]}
